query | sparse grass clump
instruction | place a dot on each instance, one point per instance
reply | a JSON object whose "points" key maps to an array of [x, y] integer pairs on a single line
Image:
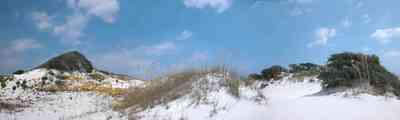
{"points": [[173, 86], [233, 87]]}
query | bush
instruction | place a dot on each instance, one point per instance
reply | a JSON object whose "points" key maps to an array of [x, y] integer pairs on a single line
{"points": [[255, 76], [296, 68], [18, 72], [273, 72], [356, 70]]}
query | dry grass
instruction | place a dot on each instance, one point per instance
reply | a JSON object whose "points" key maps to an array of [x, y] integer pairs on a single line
{"points": [[87, 86], [5, 106], [170, 87]]}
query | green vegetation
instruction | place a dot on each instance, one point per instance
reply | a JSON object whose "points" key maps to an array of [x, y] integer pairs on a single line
{"points": [[18, 72], [272, 72], [358, 70]]}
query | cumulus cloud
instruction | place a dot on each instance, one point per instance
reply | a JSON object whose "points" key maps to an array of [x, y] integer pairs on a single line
{"points": [[11, 54], [71, 29], [386, 35], [184, 35], [322, 35], [219, 5], [107, 10]]}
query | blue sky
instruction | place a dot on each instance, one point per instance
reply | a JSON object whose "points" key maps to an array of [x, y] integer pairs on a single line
{"points": [[140, 37]]}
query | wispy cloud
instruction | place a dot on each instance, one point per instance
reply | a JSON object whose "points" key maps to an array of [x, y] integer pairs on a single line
{"points": [[392, 53], [10, 56], [366, 18], [184, 35], [346, 23], [72, 30], [219, 5], [42, 20], [107, 10], [386, 35], [322, 36], [159, 49]]}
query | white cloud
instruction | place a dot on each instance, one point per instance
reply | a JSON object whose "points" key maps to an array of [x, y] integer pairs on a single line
{"points": [[386, 35], [184, 35], [10, 55], [219, 5], [346, 23], [72, 30], [107, 10], [139, 60], [359, 4], [322, 35], [297, 11], [42, 20], [21, 45]]}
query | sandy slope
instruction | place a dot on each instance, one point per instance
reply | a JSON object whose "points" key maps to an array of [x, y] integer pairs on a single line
{"points": [[286, 100]]}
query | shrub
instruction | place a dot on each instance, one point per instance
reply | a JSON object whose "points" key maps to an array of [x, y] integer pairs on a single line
{"points": [[355, 70], [18, 72], [272, 72], [255, 76], [296, 68], [59, 82], [3, 83]]}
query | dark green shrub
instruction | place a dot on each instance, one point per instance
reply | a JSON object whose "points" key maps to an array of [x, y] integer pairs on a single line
{"points": [[18, 72], [273, 72], [255, 76], [295, 68], [356, 69]]}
